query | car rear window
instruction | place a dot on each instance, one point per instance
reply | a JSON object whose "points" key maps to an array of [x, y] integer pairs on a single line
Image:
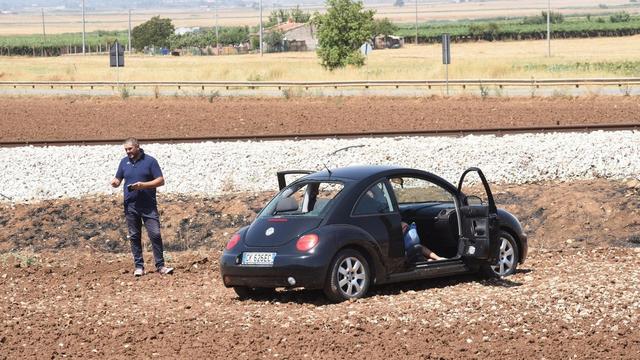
{"points": [[303, 199]]}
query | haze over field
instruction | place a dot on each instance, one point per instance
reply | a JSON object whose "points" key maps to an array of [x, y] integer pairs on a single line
{"points": [[64, 16], [72, 5]]}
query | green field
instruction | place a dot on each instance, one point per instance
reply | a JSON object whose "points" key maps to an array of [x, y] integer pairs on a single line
{"points": [[515, 29], [460, 31], [59, 44], [596, 57]]}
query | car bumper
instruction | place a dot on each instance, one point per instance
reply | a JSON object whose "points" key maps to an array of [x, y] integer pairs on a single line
{"points": [[304, 269]]}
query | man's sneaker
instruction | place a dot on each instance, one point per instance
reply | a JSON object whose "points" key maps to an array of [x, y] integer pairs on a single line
{"points": [[138, 272], [165, 270]]}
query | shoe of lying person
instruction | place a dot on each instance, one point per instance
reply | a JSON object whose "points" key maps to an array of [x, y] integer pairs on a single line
{"points": [[165, 270], [138, 272]]}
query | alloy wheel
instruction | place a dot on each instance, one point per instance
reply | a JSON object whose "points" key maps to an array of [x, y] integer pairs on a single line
{"points": [[506, 258], [352, 277]]}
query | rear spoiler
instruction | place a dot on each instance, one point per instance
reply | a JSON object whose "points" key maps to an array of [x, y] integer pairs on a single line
{"points": [[282, 182]]}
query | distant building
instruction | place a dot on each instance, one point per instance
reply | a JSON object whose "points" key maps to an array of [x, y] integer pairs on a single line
{"points": [[388, 42], [298, 36], [186, 30]]}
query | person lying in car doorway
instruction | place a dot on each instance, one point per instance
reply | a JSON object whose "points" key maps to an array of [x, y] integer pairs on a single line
{"points": [[412, 244]]}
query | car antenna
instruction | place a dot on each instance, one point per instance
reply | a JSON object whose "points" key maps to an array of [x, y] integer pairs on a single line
{"points": [[326, 167], [341, 149]]}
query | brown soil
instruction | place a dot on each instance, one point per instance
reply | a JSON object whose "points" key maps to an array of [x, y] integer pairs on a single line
{"points": [[85, 118], [66, 282], [65, 272]]}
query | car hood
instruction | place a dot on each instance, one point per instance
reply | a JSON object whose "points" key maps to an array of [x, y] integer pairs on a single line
{"points": [[279, 230]]}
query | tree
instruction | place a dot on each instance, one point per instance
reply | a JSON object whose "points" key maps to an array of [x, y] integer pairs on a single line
{"points": [[298, 15], [341, 32], [383, 27], [274, 39], [282, 15], [155, 32]]}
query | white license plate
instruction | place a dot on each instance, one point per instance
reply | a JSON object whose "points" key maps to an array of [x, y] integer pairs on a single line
{"points": [[258, 258]]}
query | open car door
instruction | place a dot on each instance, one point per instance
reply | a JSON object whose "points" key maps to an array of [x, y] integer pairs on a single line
{"points": [[480, 229], [282, 181]]}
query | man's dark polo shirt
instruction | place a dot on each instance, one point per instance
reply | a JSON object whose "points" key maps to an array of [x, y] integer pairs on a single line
{"points": [[146, 168]]}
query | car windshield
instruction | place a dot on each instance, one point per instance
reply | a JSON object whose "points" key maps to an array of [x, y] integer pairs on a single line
{"points": [[303, 199]]}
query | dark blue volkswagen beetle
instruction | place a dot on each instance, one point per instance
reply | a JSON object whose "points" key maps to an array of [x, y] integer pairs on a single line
{"points": [[340, 230]]}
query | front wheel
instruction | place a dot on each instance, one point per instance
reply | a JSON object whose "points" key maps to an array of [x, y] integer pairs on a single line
{"points": [[348, 276], [508, 256]]}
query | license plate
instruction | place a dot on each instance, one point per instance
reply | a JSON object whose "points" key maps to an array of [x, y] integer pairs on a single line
{"points": [[258, 258]]}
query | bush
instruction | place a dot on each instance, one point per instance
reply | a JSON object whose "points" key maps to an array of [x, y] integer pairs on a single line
{"points": [[484, 31], [383, 27], [622, 16], [554, 18]]}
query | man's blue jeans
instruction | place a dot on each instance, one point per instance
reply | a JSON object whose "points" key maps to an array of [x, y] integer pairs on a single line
{"points": [[151, 218]]}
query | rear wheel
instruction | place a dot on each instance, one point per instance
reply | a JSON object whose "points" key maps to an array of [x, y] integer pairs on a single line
{"points": [[508, 256], [244, 292], [348, 276]]}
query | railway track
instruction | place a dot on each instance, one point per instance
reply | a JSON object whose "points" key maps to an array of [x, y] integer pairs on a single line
{"points": [[271, 137]]}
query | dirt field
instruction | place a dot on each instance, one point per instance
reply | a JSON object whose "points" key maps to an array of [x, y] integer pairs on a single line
{"points": [[66, 280], [67, 288], [62, 118]]}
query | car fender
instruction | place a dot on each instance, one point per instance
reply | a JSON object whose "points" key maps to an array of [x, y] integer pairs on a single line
{"points": [[341, 236], [510, 223]]}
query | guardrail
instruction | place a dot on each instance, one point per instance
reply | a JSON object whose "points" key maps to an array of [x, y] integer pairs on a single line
{"points": [[331, 84]]}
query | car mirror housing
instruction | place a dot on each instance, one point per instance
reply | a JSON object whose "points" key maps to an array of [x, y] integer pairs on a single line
{"points": [[474, 200]]}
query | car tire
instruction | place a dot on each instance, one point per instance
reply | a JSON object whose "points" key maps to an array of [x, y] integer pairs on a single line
{"points": [[348, 277], [507, 258], [244, 292]]}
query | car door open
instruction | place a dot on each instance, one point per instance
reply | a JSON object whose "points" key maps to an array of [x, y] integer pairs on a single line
{"points": [[282, 181], [480, 231]]}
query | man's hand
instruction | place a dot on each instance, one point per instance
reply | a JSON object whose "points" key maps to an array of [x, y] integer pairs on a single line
{"points": [[116, 182], [137, 186]]}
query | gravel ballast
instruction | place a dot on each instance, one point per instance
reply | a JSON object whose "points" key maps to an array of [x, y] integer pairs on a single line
{"points": [[39, 173]]}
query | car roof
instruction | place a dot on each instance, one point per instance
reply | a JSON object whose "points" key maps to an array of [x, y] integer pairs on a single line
{"points": [[357, 172]]}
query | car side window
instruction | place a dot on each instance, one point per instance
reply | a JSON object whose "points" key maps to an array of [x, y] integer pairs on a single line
{"points": [[375, 200], [415, 190]]}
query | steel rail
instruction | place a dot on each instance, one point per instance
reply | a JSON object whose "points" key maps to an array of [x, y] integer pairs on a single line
{"points": [[335, 84], [435, 132]]}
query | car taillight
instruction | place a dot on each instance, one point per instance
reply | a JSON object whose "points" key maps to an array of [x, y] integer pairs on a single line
{"points": [[307, 242], [234, 240]]}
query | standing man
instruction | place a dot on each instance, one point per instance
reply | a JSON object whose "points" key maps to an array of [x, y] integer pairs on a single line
{"points": [[142, 175]]}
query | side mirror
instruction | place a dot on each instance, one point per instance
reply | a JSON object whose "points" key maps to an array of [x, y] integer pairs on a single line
{"points": [[286, 204], [474, 200], [399, 181]]}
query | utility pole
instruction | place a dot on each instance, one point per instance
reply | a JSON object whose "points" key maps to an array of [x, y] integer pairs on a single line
{"points": [[549, 28], [129, 31], [44, 34], [217, 34], [416, 22], [83, 37], [261, 53]]}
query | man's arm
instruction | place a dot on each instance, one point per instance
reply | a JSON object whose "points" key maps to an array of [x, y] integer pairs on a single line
{"points": [[119, 176], [140, 185], [116, 182]]}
